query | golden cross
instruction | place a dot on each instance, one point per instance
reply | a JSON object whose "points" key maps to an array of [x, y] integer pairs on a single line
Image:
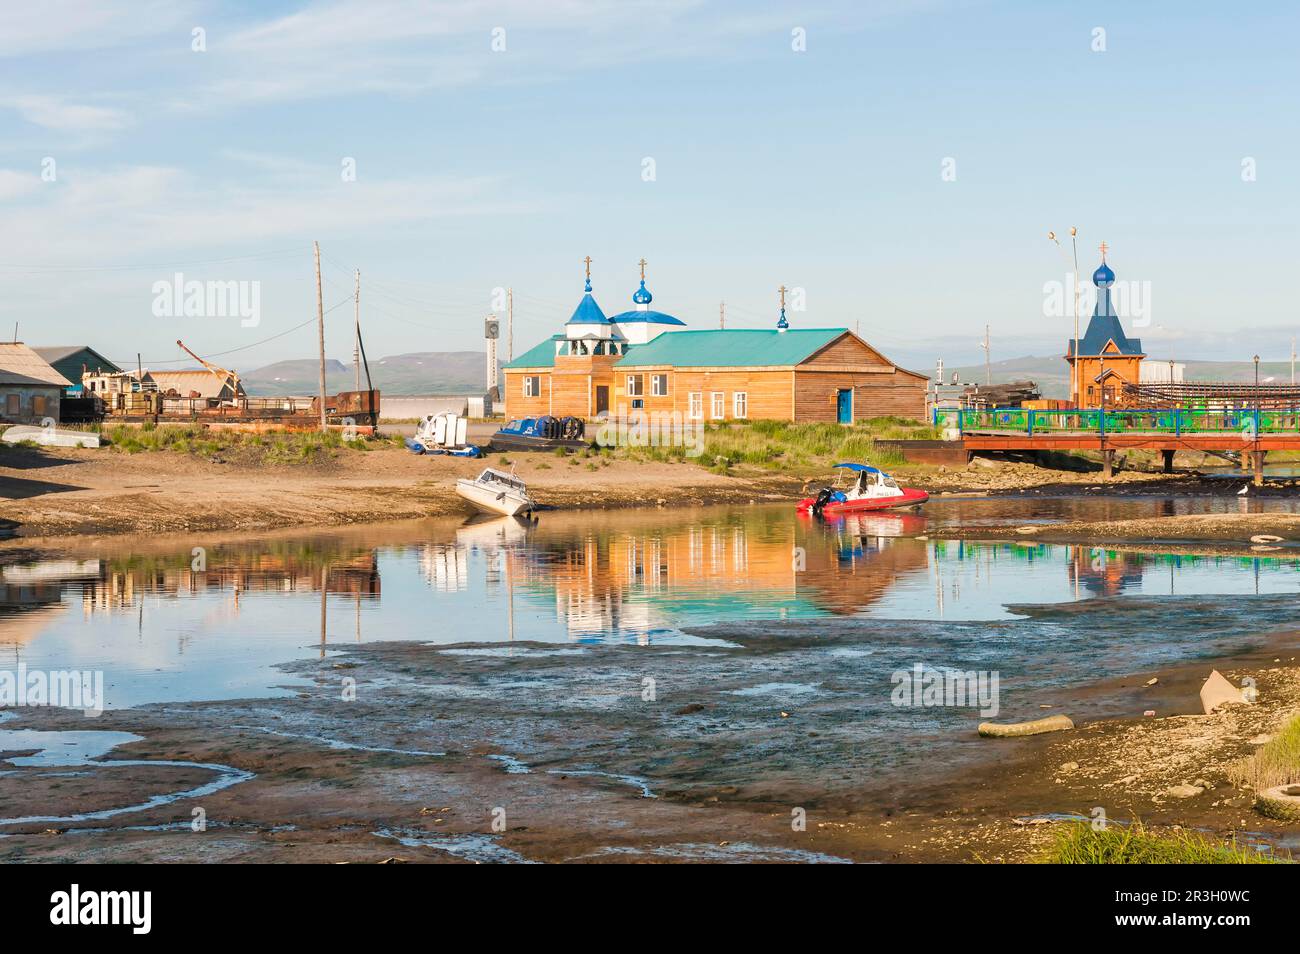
{"points": [[1103, 252], [587, 260], [642, 264], [782, 291]]}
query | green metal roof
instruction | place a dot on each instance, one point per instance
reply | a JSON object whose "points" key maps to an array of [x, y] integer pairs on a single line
{"points": [[542, 356], [733, 348]]}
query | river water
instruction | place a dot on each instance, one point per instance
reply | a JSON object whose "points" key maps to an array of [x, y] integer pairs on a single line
{"points": [[179, 620]]}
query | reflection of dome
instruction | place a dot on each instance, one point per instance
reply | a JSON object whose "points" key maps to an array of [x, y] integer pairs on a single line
{"points": [[1103, 277]]}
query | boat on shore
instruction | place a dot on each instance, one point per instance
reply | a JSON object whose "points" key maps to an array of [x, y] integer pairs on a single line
{"points": [[496, 492], [442, 434], [541, 434], [871, 489]]}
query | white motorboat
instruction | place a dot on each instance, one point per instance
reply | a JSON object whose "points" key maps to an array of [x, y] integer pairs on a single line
{"points": [[495, 492]]}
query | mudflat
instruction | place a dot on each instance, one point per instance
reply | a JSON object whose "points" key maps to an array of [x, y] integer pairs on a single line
{"points": [[528, 753]]}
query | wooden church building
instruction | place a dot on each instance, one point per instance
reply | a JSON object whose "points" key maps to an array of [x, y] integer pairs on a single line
{"points": [[647, 360], [1108, 360]]}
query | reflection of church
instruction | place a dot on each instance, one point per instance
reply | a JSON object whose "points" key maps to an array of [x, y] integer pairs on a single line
{"points": [[1102, 572], [639, 582]]}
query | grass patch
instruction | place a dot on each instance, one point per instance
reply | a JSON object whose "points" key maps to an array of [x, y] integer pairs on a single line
{"points": [[272, 447], [1079, 844], [781, 445], [1276, 762]]}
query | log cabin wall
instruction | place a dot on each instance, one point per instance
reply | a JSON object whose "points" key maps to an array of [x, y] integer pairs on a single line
{"points": [[517, 404], [803, 392], [769, 392], [893, 393]]}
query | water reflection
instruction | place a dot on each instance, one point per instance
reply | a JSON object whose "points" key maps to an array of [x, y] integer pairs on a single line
{"points": [[167, 621]]}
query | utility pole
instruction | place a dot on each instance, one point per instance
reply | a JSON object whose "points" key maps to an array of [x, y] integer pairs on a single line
{"points": [[320, 330], [510, 324], [1293, 359], [1078, 382], [722, 314], [356, 340], [988, 365]]}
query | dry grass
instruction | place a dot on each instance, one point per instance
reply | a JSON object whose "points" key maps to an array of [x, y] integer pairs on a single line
{"points": [[274, 447], [1276, 762]]}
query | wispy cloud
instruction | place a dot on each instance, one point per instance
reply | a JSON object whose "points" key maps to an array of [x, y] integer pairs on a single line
{"points": [[15, 184], [56, 26], [62, 115], [147, 213]]}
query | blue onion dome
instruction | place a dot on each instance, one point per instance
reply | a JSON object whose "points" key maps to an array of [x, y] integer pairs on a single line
{"points": [[1103, 277], [781, 323], [642, 296]]}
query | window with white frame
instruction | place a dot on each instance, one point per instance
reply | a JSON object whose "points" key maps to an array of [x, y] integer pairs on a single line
{"points": [[696, 406], [658, 385], [532, 385], [719, 405], [635, 385], [740, 404]]}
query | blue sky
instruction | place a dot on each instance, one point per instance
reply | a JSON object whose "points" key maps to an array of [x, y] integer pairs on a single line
{"points": [[475, 169]]}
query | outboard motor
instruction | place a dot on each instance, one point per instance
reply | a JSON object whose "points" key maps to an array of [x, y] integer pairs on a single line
{"points": [[571, 428], [823, 497]]}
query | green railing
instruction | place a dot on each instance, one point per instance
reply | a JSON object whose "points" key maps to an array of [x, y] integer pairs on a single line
{"points": [[1014, 420]]}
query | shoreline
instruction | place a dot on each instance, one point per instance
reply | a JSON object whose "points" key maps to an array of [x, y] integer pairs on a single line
{"points": [[96, 493]]}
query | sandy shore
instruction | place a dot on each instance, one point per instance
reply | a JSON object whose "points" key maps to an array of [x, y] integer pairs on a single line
{"points": [[98, 492], [57, 492]]}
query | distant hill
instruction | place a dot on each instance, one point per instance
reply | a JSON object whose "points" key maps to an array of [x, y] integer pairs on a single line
{"points": [[427, 372]]}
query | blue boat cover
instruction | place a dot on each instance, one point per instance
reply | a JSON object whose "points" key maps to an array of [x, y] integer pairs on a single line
{"points": [[860, 467]]}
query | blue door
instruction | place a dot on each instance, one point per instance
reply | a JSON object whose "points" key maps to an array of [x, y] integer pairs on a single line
{"points": [[844, 406]]}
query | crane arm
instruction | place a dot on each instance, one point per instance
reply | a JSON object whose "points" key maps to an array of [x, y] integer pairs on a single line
{"points": [[222, 374]]}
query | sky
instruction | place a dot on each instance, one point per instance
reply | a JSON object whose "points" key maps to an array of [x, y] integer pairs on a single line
{"points": [[898, 163]]}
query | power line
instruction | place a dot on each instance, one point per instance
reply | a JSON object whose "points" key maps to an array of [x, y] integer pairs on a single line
{"points": [[219, 354]]}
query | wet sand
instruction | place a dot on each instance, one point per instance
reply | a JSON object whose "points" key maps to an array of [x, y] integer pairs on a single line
{"points": [[1233, 530], [576, 765]]}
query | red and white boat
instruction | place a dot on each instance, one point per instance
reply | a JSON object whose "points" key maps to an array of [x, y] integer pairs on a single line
{"points": [[872, 489]]}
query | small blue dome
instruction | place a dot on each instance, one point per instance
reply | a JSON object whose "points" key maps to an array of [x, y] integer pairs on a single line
{"points": [[641, 296], [1103, 277]]}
